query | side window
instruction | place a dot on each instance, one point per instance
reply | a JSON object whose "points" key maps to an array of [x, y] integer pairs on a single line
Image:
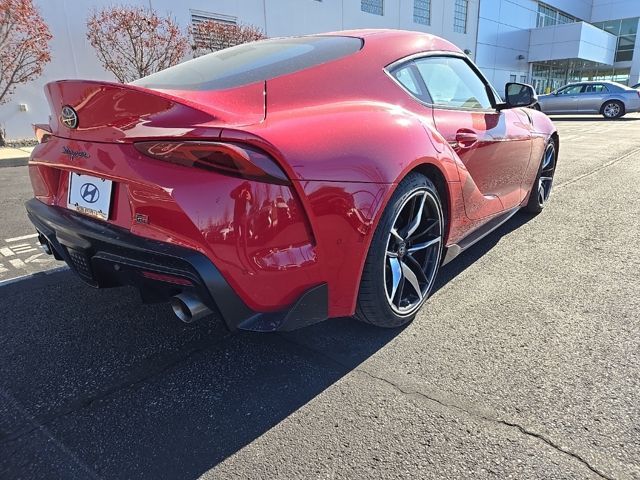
{"points": [[596, 88], [451, 82], [408, 78], [571, 90]]}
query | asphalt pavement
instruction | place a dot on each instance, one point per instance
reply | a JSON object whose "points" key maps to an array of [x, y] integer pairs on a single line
{"points": [[525, 363]]}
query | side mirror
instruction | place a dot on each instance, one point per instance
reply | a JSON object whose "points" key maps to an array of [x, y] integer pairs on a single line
{"points": [[519, 95]]}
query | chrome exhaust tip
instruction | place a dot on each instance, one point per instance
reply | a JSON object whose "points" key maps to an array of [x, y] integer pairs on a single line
{"points": [[189, 308], [44, 244]]}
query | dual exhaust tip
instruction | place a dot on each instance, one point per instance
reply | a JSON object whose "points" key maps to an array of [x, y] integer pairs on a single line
{"points": [[186, 306], [189, 308]]}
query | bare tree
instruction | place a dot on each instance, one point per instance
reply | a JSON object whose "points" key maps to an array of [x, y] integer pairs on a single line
{"points": [[132, 42], [211, 35], [24, 46]]}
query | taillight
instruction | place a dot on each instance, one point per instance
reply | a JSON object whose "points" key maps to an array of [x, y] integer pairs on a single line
{"points": [[229, 159], [43, 132]]}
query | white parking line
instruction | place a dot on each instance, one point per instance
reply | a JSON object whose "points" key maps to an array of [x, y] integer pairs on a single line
{"points": [[23, 248], [23, 237], [9, 281], [22, 254], [17, 263]]}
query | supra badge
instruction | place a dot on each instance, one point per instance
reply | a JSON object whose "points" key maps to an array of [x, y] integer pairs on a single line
{"points": [[69, 117], [73, 154]]}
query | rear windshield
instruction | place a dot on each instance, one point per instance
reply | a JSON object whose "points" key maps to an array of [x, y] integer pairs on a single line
{"points": [[251, 62]]}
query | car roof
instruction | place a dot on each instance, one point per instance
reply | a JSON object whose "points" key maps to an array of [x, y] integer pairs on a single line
{"points": [[389, 45], [597, 82]]}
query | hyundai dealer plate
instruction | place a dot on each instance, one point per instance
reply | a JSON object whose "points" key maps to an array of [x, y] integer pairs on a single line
{"points": [[90, 195]]}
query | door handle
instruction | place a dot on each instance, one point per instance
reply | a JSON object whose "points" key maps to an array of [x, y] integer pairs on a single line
{"points": [[466, 138]]}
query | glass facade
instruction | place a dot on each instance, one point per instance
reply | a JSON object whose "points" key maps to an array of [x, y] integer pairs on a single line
{"points": [[372, 6], [626, 31], [422, 12], [460, 16], [548, 16], [549, 76]]}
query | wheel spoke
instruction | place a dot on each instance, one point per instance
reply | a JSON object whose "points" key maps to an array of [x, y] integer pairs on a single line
{"points": [[411, 278], [415, 222], [430, 224], [396, 276], [548, 159], [413, 251], [541, 195], [413, 264], [403, 281], [395, 233], [422, 246]]}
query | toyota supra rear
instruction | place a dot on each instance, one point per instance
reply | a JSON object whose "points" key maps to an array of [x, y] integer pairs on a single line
{"points": [[279, 183]]}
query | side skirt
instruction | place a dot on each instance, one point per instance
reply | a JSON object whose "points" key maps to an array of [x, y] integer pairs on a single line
{"points": [[457, 248]]}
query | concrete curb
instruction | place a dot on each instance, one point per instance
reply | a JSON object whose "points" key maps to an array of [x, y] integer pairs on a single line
{"points": [[15, 156], [14, 162]]}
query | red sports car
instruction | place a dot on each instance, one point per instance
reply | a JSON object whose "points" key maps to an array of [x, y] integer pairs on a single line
{"points": [[286, 181]]}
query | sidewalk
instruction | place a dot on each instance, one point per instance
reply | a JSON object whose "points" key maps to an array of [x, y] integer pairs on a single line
{"points": [[14, 157]]}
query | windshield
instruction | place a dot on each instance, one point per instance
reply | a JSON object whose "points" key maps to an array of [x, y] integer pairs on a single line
{"points": [[251, 62]]}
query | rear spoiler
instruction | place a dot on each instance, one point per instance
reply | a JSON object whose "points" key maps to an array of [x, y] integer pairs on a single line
{"points": [[116, 112]]}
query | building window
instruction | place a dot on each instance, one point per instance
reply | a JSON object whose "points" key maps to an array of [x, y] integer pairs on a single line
{"points": [[375, 7], [626, 31], [203, 39], [422, 12], [460, 16], [548, 16], [548, 76], [523, 79], [513, 78]]}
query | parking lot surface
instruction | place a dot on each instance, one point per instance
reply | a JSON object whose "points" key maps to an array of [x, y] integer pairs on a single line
{"points": [[525, 363]]}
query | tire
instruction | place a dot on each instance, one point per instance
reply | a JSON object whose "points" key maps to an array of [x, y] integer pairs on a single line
{"points": [[612, 109], [407, 241], [536, 106], [541, 188]]}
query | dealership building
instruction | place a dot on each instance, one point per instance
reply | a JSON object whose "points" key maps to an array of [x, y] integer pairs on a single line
{"points": [[546, 43]]}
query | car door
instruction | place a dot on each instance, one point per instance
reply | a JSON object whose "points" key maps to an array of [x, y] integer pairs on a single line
{"points": [[565, 100], [592, 98], [493, 145]]}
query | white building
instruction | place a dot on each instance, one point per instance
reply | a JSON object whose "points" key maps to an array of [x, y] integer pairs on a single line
{"points": [[546, 44], [555, 42]]}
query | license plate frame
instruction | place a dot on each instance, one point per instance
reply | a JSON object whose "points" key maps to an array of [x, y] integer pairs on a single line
{"points": [[90, 195]]}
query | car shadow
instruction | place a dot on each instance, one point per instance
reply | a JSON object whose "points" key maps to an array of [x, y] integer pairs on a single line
{"points": [[467, 258], [92, 381]]}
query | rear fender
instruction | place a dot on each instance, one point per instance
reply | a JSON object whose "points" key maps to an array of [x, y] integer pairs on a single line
{"points": [[346, 161], [360, 141]]}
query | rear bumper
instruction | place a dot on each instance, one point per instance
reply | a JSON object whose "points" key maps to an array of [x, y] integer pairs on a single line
{"points": [[104, 255]]}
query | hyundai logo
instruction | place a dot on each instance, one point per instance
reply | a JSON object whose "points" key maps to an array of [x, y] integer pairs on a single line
{"points": [[89, 193], [69, 117]]}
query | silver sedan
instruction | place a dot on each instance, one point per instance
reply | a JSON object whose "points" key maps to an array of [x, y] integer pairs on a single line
{"points": [[610, 99]]}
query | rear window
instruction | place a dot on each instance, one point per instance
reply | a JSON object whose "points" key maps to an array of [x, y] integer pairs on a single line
{"points": [[251, 62]]}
